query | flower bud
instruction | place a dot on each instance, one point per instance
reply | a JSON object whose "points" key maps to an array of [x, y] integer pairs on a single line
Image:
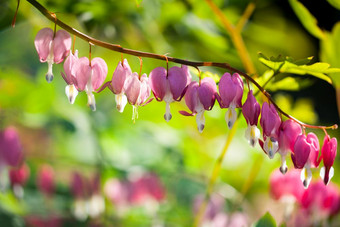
{"points": [[328, 153]]}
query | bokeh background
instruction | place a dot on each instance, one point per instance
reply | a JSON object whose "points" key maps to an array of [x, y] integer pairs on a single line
{"points": [[174, 157]]}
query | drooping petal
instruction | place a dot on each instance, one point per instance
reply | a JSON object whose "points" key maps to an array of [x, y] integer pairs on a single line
{"points": [[178, 81], [231, 90], [158, 82], [42, 43], [69, 67], [99, 73], [206, 92], [119, 76], [313, 140], [191, 96], [187, 73], [301, 152], [270, 120], [328, 152], [251, 109], [289, 131], [71, 93], [132, 89], [82, 72], [61, 45], [144, 89], [270, 146]]}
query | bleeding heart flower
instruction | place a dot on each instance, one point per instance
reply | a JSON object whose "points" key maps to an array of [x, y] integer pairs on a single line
{"points": [[10, 147], [200, 97], [305, 154], [70, 78], [288, 133], [18, 178], [137, 91], [251, 111], [270, 122], [52, 48], [90, 77], [45, 180], [328, 153], [120, 75], [231, 91], [169, 86], [285, 187]]}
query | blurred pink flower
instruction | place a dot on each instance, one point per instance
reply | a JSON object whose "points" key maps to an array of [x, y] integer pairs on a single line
{"points": [[45, 180], [10, 147], [52, 48]]}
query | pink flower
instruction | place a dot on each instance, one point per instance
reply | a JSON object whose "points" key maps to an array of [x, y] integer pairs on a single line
{"points": [[270, 122], [288, 133], [169, 86], [321, 200], [70, 78], [231, 92], [285, 186], [305, 154], [119, 77], [52, 48], [18, 178], [45, 180], [137, 91], [10, 148], [251, 111], [90, 76], [200, 97], [78, 186], [328, 153]]}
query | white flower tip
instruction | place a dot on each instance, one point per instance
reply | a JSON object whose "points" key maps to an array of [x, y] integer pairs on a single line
{"points": [[230, 117], [323, 174], [71, 93], [121, 102], [271, 146], [91, 101], [200, 121], [283, 169], [252, 134], [167, 117], [49, 77], [306, 177], [200, 128]]}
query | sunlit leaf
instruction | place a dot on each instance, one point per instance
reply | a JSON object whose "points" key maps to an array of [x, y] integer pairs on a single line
{"points": [[266, 221], [307, 19], [288, 65], [334, 3]]}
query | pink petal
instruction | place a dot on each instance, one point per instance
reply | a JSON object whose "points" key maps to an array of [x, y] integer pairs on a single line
{"points": [[69, 67], [82, 72], [289, 131], [61, 45], [158, 82], [19, 176], [144, 89], [301, 152], [187, 73], [42, 43], [313, 140], [77, 185], [185, 113], [251, 109], [206, 92], [119, 76], [227, 90], [45, 180], [270, 120], [177, 80], [99, 72], [132, 88], [238, 82], [328, 151], [191, 96]]}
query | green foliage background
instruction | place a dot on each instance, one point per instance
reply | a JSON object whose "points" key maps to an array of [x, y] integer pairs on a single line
{"points": [[72, 137]]}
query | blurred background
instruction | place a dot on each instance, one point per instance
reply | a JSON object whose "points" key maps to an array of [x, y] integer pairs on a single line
{"points": [[84, 168]]}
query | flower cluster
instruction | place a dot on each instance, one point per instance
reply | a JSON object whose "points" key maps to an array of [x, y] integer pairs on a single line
{"points": [[171, 85], [314, 204]]}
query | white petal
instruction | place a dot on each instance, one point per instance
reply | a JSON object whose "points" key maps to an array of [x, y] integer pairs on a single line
{"points": [[71, 93], [167, 115], [80, 210], [331, 173], [306, 176], [200, 121], [230, 117], [322, 172], [283, 167], [252, 135], [96, 205], [91, 101], [121, 102], [49, 74], [271, 145]]}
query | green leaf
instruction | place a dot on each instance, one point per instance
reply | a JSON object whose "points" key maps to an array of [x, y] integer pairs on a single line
{"points": [[289, 65], [265, 221], [334, 3], [307, 19]]}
